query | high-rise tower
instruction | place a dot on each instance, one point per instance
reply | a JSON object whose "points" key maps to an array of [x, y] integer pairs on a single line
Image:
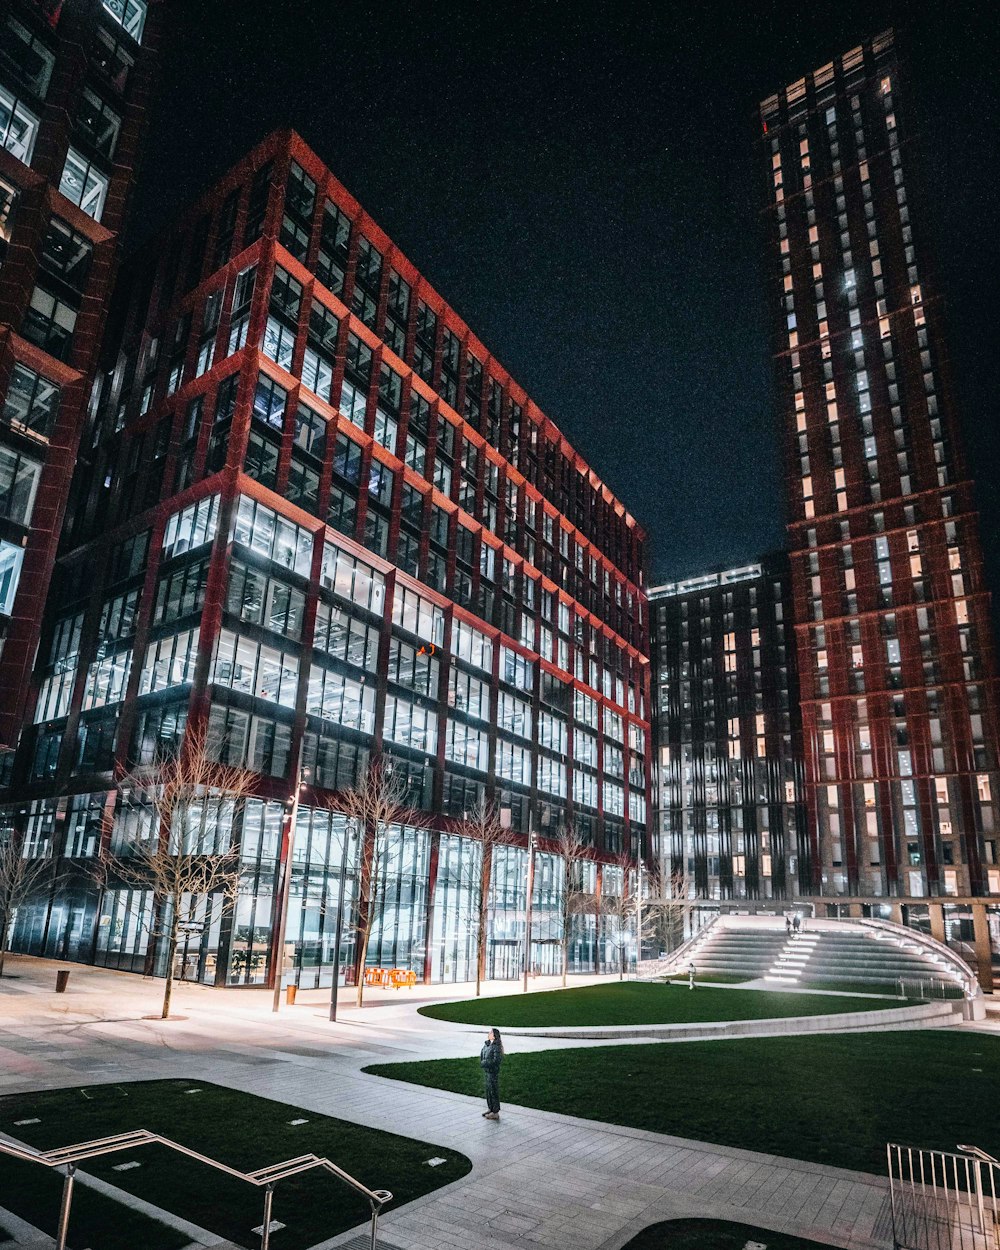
{"points": [[892, 613], [74, 84]]}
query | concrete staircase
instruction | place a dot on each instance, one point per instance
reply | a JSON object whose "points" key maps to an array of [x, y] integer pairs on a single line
{"points": [[825, 954]]}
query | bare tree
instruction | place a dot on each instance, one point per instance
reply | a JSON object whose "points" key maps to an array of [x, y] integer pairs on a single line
{"points": [[20, 878], [171, 845], [482, 825], [670, 900], [574, 853], [619, 909], [376, 802]]}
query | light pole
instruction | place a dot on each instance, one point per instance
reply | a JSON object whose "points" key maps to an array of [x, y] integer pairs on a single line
{"points": [[340, 924], [532, 841], [288, 845], [638, 913]]}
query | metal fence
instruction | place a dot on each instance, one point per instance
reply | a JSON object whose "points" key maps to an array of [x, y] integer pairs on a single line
{"points": [[69, 1157], [943, 1201]]}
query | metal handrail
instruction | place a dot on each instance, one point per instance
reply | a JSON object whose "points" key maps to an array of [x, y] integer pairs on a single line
{"points": [[653, 967], [938, 1196], [265, 1177], [959, 968]]}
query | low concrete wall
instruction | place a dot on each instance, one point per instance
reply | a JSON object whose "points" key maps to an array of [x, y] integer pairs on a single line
{"points": [[923, 1015]]}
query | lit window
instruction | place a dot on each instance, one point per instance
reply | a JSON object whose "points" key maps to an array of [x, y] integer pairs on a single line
{"points": [[129, 14], [18, 127], [84, 185]]}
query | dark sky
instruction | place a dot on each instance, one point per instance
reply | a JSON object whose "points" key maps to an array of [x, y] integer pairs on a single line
{"points": [[578, 181]]}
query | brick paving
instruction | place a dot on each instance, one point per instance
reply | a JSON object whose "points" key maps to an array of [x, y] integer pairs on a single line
{"points": [[538, 1179]]}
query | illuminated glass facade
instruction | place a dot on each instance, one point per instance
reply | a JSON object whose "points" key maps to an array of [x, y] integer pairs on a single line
{"points": [[320, 517], [892, 614], [727, 733]]}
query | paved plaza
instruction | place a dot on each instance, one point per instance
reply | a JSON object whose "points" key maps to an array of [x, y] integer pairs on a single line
{"points": [[538, 1179]]}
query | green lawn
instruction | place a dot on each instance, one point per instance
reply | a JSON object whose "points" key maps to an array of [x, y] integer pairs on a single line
{"points": [[834, 1099], [643, 1002], [712, 1235], [240, 1129]]}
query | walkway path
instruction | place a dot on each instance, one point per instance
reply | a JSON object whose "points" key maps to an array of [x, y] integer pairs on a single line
{"points": [[538, 1179]]}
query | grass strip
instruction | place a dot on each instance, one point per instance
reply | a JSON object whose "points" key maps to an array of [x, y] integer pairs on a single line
{"points": [[240, 1129], [831, 1099], [643, 1002], [712, 1235]]}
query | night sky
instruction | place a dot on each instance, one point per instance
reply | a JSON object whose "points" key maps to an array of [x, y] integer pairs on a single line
{"points": [[578, 181]]}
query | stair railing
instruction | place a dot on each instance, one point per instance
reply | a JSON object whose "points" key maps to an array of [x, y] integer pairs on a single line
{"points": [[263, 1178], [956, 965], [684, 952]]}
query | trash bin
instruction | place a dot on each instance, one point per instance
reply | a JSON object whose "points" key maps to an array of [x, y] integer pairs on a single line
{"points": [[62, 980], [290, 991]]}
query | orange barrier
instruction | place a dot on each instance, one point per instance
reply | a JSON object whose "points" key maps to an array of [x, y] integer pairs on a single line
{"points": [[395, 977]]}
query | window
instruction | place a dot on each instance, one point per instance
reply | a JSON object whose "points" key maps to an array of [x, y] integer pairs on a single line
{"points": [[410, 724], [253, 596], [279, 343], [271, 536], [345, 638], [413, 667], [344, 700], [469, 644], [25, 56], [417, 615], [18, 127], [129, 14], [82, 184], [19, 477], [112, 60], [98, 124], [254, 668], [260, 189], [334, 242], [67, 255], [169, 662], [310, 432], [269, 402], [300, 194], [191, 527], [11, 557], [351, 578], [49, 323], [180, 592], [32, 402]]}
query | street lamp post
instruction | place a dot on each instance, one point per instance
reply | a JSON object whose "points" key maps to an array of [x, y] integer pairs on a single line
{"points": [[532, 841], [340, 926], [638, 913], [282, 918]]}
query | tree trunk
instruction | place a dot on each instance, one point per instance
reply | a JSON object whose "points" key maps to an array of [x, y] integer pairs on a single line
{"points": [[3, 950], [168, 988], [362, 957], [481, 942], [565, 957]]}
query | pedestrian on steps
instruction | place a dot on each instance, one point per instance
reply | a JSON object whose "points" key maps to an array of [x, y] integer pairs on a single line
{"points": [[490, 1059]]}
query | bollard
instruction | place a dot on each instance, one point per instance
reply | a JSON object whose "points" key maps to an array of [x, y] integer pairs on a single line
{"points": [[290, 992], [62, 980]]}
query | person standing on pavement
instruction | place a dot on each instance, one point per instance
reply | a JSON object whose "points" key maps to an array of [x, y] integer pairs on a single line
{"points": [[490, 1059]]}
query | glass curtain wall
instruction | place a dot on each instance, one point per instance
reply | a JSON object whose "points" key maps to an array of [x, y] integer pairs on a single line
{"points": [[455, 924], [399, 930]]}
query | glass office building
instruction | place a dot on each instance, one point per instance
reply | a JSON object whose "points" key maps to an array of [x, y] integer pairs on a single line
{"points": [[727, 734], [320, 518]]}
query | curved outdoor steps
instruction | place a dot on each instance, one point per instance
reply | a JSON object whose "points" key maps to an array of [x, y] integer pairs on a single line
{"points": [[922, 1015]]}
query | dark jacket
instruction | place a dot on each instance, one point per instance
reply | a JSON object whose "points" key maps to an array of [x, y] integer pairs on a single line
{"points": [[491, 1056]]}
